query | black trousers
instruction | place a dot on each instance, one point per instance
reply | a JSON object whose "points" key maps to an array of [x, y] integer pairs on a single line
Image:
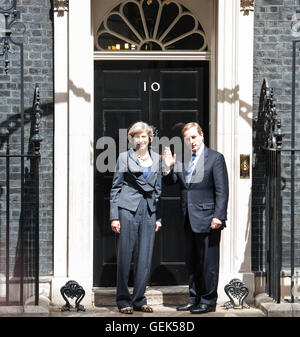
{"points": [[202, 261]]}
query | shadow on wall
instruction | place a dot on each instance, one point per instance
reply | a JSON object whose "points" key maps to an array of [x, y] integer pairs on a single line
{"points": [[254, 240], [245, 111], [254, 248], [232, 96], [63, 97]]}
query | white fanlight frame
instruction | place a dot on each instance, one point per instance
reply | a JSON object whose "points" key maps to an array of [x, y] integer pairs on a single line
{"points": [[148, 36]]}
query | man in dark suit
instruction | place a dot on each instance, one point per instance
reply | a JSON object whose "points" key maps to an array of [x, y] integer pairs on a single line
{"points": [[203, 181]]}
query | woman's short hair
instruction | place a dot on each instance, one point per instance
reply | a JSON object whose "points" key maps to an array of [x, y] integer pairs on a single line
{"points": [[139, 127], [192, 125]]}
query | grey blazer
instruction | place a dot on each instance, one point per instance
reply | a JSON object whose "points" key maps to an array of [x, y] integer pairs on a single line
{"points": [[129, 185]]}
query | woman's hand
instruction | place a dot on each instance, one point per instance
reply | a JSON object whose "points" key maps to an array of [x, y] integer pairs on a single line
{"points": [[158, 226], [116, 226]]}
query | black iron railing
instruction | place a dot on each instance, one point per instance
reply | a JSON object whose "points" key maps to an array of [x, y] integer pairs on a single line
{"points": [[22, 265], [275, 187], [19, 188], [273, 142], [293, 151]]}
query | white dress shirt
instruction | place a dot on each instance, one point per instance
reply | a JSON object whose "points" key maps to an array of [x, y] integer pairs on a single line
{"points": [[198, 154]]}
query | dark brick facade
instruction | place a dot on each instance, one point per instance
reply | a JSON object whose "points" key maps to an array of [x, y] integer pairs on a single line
{"points": [[273, 60], [38, 68]]}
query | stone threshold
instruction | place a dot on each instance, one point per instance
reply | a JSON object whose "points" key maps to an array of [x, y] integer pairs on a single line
{"points": [[273, 309], [156, 295]]}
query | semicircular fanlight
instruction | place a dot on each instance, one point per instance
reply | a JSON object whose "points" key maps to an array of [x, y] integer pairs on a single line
{"points": [[155, 25]]}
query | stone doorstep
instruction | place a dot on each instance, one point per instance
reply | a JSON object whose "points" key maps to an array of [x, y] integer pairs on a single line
{"points": [[273, 309], [156, 295]]}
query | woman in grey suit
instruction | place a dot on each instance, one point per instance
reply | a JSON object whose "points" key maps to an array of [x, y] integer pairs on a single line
{"points": [[134, 201]]}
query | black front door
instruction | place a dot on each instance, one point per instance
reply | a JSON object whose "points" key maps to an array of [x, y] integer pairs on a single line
{"points": [[165, 94]]}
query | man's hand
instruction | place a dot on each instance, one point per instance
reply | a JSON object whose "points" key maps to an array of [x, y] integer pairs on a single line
{"points": [[168, 159], [158, 226], [216, 223], [116, 226]]}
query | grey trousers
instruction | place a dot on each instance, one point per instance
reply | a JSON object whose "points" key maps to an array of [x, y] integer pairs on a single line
{"points": [[135, 241]]}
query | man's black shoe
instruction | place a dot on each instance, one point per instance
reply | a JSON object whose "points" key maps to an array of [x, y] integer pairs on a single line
{"points": [[187, 307], [202, 309]]}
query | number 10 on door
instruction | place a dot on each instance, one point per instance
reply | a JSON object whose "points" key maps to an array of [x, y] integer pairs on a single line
{"points": [[155, 86]]}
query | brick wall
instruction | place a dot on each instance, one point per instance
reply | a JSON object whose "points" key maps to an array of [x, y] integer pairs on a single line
{"points": [[273, 60], [38, 68]]}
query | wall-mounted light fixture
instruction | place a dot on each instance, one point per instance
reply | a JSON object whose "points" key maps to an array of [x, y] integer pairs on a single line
{"points": [[61, 6], [295, 21], [247, 6]]}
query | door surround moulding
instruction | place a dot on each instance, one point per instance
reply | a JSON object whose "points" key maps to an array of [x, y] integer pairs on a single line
{"points": [[234, 133], [66, 263], [150, 56]]}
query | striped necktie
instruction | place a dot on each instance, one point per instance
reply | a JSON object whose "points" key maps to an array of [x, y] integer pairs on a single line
{"points": [[190, 168]]}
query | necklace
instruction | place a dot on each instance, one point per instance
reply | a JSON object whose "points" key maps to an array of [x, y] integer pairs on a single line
{"points": [[143, 158]]}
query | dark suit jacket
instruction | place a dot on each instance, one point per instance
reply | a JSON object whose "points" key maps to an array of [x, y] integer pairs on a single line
{"points": [[129, 185], [206, 197]]}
